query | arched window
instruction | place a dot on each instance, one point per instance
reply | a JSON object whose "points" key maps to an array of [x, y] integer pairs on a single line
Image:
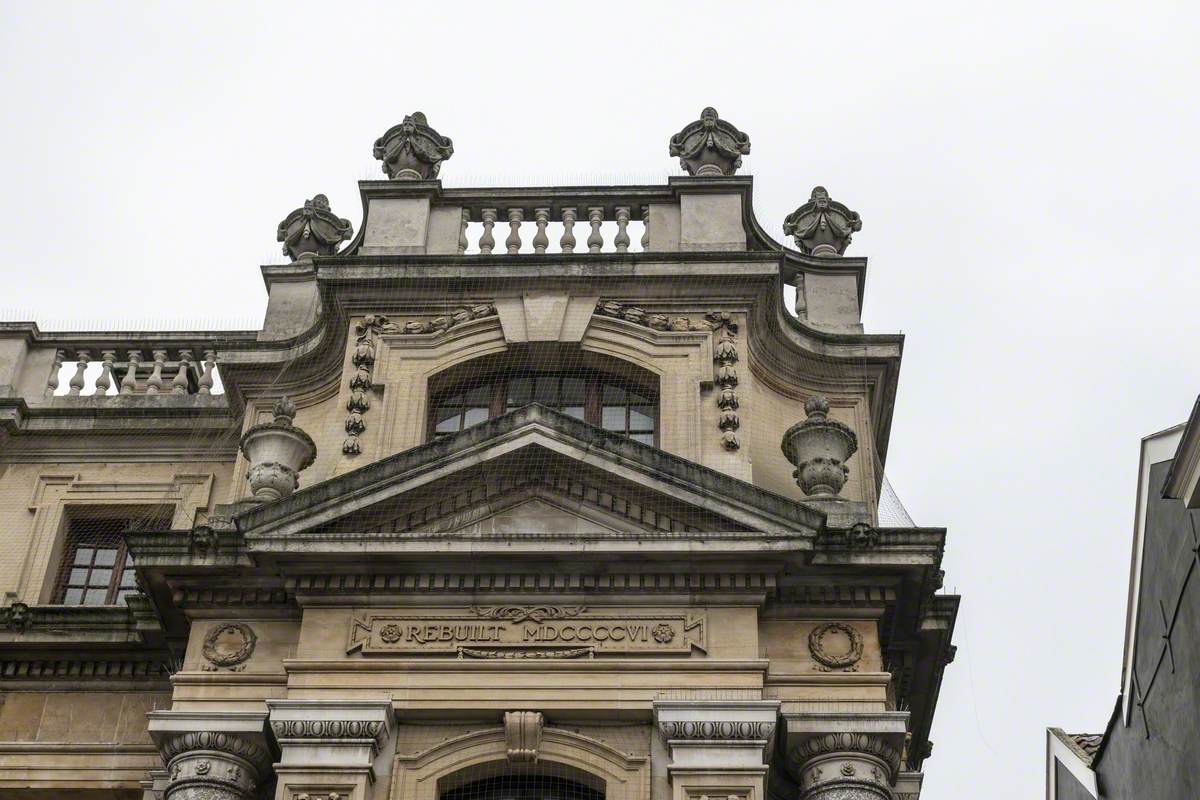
{"points": [[523, 787], [604, 400]]}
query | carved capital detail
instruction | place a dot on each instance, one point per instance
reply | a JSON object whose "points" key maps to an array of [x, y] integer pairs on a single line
{"points": [[213, 765], [369, 730], [523, 736]]}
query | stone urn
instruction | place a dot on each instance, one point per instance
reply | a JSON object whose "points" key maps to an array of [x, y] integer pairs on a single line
{"points": [[413, 150], [277, 452], [710, 146], [313, 230], [819, 447], [822, 227]]}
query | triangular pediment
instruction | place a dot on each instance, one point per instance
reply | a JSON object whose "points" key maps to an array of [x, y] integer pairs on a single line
{"points": [[531, 473]]}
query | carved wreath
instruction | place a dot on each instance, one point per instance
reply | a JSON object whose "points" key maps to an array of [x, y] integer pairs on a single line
{"points": [[817, 645], [218, 652]]}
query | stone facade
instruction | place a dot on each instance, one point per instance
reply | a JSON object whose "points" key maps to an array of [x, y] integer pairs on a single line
{"points": [[339, 594]]}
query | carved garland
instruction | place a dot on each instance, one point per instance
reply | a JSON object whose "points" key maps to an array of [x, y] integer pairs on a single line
{"points": [[364, 355], [516, 614], [725, 355]]}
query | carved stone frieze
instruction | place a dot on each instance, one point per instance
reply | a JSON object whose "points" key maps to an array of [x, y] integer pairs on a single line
{"points": [[523, 736], [835, 646], [412, 150], [313, 230], [566, 652], [822, 227], [639, 316], [710, 145], [705, 730], [523, 613], [229, 645], [289, 729]]}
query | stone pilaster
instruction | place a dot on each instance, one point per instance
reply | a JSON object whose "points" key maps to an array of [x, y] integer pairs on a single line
{"points": [[717, 749], [328, 747], [845, 756], [219, 755]]}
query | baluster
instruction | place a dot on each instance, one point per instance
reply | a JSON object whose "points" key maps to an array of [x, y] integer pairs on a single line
{"points": [[646, 228], [513, 242], [105, 379], [567, 242], [82, 357], [487, 242], [462, 231], [206, 380], [129, 382], [621, 241], [52, 383], [540, 240], [595, 241], [154, 382], [180, 384]]}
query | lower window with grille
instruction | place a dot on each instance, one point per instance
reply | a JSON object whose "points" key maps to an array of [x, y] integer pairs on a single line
{"points": [[97, 570]]}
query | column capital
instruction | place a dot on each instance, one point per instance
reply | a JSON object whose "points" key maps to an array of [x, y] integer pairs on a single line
{"points": [[717, 733], [852, 755], [335, 733], [223, 755]]}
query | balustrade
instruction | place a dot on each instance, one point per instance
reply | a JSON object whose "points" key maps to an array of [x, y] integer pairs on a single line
{"points": [[74, 372], [617, 221]]}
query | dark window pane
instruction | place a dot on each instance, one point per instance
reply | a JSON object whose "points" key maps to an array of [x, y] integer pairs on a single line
{"points": [[448, 424], [574, 411], [474, 416], [479, 396], [573, 390], [95, 597], [78, 577], [637, 399], [83, 555], [122, 595], [613, 394], [73, 597], [106, 557], [546, 390], [613, 418], [100, 577], [519, 390], [644, 438], [128, 578], [641, 418]]}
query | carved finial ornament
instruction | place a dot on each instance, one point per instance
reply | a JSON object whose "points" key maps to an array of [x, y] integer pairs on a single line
{"points": [[822, 226], [710, 145], [277, 452], [819, 448], [412, 150], [313, 230]]}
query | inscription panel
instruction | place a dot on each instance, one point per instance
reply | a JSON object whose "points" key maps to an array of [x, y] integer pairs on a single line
{"points": [[528, 632]]}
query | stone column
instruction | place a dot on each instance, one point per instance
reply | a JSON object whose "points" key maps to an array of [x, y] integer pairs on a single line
{"points": [[845, 755], [216, 755], [328, 747], [718, 748]]}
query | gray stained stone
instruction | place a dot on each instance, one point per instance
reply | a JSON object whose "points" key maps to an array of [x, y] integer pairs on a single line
{"points": [[313, 229], [822, 226], [412, 150], [710, 145]]}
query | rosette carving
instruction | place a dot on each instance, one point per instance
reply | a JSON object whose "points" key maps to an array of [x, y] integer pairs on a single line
{"points": [[412, 150], [710, 145]]}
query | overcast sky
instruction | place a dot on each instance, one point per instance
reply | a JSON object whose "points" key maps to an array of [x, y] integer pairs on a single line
{"points": [[1027, 179]]}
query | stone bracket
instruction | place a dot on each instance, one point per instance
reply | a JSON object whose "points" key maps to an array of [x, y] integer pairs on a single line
{"points": [[523, 736]]}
